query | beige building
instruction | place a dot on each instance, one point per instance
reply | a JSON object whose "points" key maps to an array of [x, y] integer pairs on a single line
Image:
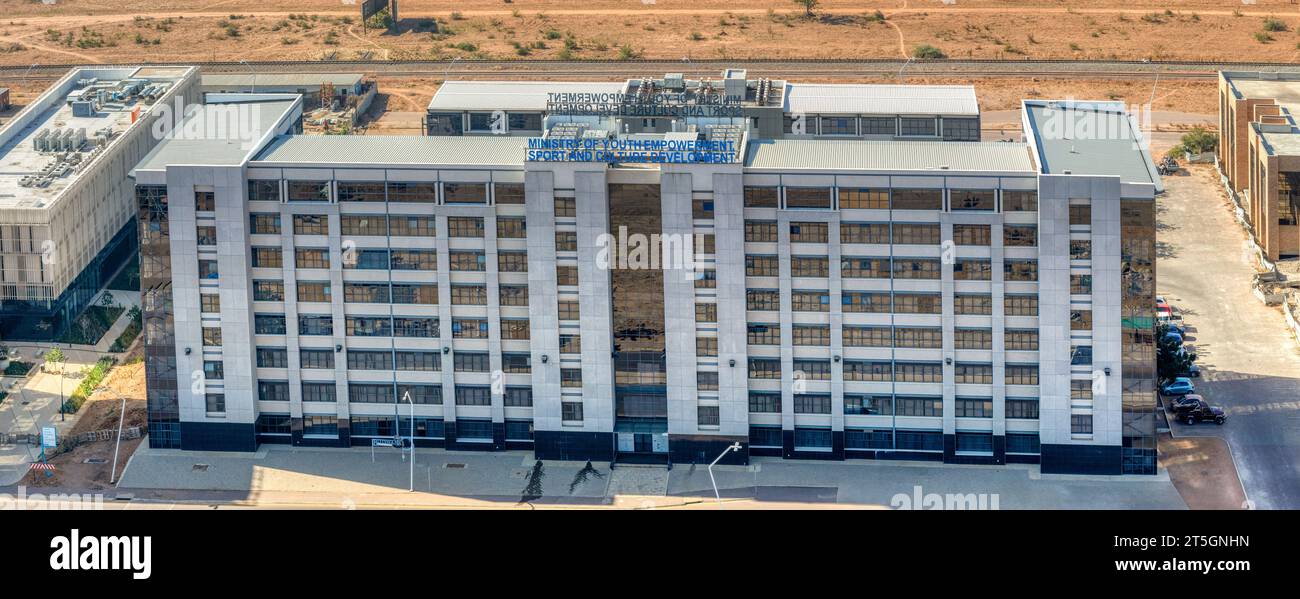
{"points": [[1259, 154]]}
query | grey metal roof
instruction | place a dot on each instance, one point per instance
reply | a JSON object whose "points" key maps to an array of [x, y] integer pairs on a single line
{"points": [[825, 98], [842, 155], [305, 80], [216, 145], [395, 150], [1088, 138], [510, 95]]}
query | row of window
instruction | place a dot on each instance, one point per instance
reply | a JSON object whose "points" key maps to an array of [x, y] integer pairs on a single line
{"points": [[376, 191], [968, 269], [884, 302], [885, 336], [761, 231], [982, 200], [897, 371], [887, 405], [820, 439]]}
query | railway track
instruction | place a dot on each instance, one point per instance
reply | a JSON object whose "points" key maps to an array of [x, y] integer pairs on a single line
{"points": [[776, 68]]}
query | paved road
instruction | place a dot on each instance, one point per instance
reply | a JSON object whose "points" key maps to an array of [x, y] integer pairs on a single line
{"points": [[1251, 363]]}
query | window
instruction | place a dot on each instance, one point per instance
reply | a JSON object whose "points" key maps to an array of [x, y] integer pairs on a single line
{"points": [[813, 370], [966, 407], [467, 260], [767, 402], [706, 347], [808, 232], [1022, 339], [1021, 305], [204, 201], [1019, 201], [765, 436], [918, 303], [265, 224], [374, 293], [957, 129], [917, 199], [464, 193], [1081, 424], [269, 324], [310, 224], [370, 360], [371, 393], [916, 268], [311, 258], [508, 193], [764, 368], [972, 269], [1080, 320], [872, 199], [469, 295], [760, 197], [272, 357], [412, 192], [214, 370], [923, 127], [763, 334], [1081, 355], [514, 295], [919, 406], [516, 363], [419, 260], [566, 275], [864, 232], [1081, 390], [418, 361], [809, 266], [570, 344], [916, 233], [811, 334], [972, 199], [702, 209], [412, 226], [268, 291], [571, 411], [512, 227], [838, 125], [211, 336], [762, 299], [975, 304], [706, 381], [706, 278], [866, 405], [1021, 269], [316, 358], [565, 208], [879, 125], [465, 226], [853, 301], [264, 191], [415, 327], [368, 326], [320, 426], [918, 338], [807, 197], [313, 292], [470, 362], [273, 391], [207, 235], [970, 234], [467, 395], [209, 303], [323, 392], [208, 270], [268, 258], [571, 377], [859, 336], [706, 313], [864, 268], [566, 241], [528, 121], [509, 261], [707, 415], [1080, 215], [974, 442], [1020, 235], [975, 374], [808, 403], [414, 293], [1022, 409], [1080, 284], [1022, 374], [973, 338], [1023, 443], [518, 397], [567, 310], [215, 402], [808, 438], [469, 328], [811, 301], [361, 192], [761, 266], [1080, 249]]}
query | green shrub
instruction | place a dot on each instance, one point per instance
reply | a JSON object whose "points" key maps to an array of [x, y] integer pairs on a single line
{"points": [[92, 379], [927, 51]]}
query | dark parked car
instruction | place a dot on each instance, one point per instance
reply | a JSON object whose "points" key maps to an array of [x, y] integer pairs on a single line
{"points": [[1200, 411]]}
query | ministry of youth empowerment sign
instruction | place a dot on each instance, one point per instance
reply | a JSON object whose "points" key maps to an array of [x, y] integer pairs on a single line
{"points": [[632, 151]]}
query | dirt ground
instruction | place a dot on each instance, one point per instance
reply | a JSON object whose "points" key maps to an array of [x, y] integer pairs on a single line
{"points": [[1201, 469], [101, 412], [124, 31]]}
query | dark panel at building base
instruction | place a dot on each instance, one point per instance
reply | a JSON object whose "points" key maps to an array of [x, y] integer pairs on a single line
{"points": [[835, 452], [218, 436], [703, 449], [574, 446], [1080, 459], [868, 454], [1022, 459], [950, 455]]}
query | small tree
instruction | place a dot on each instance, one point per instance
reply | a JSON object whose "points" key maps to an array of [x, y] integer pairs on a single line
{"points": [[107, 300], [808, 6], [927, 51], [54, 356]]}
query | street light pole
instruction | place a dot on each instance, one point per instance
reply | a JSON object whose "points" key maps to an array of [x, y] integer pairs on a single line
{"points": [[407, 397], [716, 495]]}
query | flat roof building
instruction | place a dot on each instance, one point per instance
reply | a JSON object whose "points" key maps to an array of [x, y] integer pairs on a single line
{"points": [[593, 294], [66, 207], [1259, 155]]}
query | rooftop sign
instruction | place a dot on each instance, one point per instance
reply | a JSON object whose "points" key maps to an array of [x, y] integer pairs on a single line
{"points": [[632, 151], [663, 104]]}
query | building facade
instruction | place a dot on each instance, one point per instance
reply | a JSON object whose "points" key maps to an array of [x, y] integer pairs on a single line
{"points": [[961, 302]]}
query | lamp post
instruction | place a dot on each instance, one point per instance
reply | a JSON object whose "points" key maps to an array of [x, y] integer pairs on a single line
{"points": [[253, 88], [716, 495], [407, 398], [121, 419]]}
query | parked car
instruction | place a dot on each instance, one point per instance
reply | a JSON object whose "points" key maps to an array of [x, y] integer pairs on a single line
{"points": [[1202, 412], [1193, 371], [1172, 334], [1179, 404], [1179, 386]]}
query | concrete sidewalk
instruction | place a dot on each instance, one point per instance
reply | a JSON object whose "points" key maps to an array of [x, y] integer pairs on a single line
{"points": [[279, 475]]}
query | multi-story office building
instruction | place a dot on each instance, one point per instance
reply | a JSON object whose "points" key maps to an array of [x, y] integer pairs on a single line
{"points": [[66, 205], [1259, 155], [958, 301]]}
